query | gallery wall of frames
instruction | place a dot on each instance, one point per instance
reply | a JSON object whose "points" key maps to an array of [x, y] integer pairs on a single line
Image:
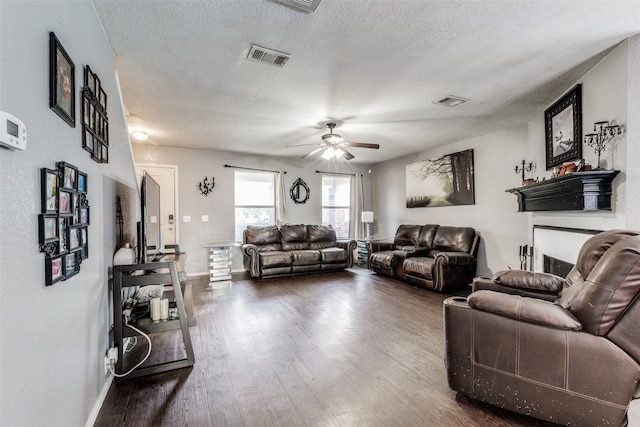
{"points": [[63, 225]]}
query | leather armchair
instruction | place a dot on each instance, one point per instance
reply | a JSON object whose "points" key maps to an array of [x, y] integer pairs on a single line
{"points": [[573, 361]]}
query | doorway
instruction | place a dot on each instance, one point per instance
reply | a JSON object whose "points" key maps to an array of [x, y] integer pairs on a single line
{"points": [[167, 177]]}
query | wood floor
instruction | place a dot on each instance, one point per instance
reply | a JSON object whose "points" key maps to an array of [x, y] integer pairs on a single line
{"points": [[340, 349]]}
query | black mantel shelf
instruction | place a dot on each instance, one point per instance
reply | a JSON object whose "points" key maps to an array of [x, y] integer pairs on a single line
{"points": [[581, 191]]}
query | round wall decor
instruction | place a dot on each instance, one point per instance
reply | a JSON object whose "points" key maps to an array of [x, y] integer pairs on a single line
{"points": [[296, 192]]}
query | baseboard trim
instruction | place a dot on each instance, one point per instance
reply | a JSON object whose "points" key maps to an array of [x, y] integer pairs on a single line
{"points": [[93, 416]]}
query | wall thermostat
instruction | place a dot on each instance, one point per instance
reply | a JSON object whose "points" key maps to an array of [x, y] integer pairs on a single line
{"points": [[13, 133]]}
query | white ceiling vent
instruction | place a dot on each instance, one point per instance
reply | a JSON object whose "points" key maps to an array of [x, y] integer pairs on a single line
{"points": [[303, 5], [270, 56], [451, 101]]}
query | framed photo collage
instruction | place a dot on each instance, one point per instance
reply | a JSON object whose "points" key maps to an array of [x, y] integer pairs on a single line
{"points": [[63, 225], [95, 124]]}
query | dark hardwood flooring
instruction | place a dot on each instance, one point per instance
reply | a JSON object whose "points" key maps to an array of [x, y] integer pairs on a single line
{"points": [[340, 349]]}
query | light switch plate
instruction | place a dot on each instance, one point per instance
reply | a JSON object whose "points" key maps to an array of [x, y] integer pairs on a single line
{"points": [[186, 218], [205, 218]]}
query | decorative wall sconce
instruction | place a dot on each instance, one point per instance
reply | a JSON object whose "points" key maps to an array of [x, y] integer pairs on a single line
{"points": [[524, 168], [604, 133], [206, 187]]}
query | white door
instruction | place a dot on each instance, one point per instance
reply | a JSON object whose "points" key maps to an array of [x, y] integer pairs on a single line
{"points": [[167, 177]]}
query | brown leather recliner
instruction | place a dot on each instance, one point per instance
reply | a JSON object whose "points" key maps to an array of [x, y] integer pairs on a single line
{"points": [[574, 361]]}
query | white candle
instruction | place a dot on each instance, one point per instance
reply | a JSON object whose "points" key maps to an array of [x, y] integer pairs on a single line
{"points": [[155, 309], [164, 309]]}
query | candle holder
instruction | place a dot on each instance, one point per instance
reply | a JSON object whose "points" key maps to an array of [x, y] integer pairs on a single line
{"points": [[524, 168], [604, 133], [206, 187]]}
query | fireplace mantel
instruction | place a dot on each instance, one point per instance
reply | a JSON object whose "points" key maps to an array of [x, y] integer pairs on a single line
{"points": [[582, 191]]}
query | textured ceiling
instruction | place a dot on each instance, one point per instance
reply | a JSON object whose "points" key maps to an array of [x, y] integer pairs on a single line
{"points": [[373, 66]]}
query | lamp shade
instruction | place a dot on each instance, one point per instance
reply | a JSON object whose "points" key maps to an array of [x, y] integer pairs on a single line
{"points": [[367, 217]]}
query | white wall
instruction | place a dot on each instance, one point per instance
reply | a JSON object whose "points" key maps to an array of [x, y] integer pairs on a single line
{"points": [[194, 165], [502, 230], [54, 338], [633, 134]]}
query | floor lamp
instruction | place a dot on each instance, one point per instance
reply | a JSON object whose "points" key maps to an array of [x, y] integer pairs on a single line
{"points": [[367, 220]]}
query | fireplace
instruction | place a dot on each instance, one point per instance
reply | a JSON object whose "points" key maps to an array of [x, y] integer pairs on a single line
{"points": [[555, 249], [556, 266]]}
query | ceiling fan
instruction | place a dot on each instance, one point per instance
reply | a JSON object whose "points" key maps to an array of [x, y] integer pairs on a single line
{"points": [[333, 146]]}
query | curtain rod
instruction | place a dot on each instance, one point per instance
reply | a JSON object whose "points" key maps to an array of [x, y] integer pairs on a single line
{"points": [[252, 169], [338, 173]]}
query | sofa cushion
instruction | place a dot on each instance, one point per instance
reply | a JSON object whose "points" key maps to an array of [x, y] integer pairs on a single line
{"points": [[427, 233], [294, 237], [274, 259], [321, 236], [407, 235], [454, 239], [305, 257], [381, 259], [419, 267], [333, 255], [268, 236]]}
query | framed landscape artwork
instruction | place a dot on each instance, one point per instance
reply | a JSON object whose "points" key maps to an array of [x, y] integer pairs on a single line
{"points": [[443, 181], [563, 129]]}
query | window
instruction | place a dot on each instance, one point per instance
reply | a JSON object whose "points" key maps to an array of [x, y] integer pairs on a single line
{"points": [[336, 200], [254, 200]]}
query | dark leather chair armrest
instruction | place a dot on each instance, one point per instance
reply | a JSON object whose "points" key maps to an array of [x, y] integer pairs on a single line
{"points": [[529, 280], [530, 310], [349, 246], [418, 251], [379, 246], [455, 258]]}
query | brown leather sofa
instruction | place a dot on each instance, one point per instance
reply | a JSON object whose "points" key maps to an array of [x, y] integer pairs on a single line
{"points": [[573, 361], [434, 257], [294, 249]]}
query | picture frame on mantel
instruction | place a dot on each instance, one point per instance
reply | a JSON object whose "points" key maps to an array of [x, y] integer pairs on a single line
{"points": [[62, 86], [563, 129]]}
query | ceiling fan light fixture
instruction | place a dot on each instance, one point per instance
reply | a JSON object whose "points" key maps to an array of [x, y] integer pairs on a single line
{"points": [[329, 153]]}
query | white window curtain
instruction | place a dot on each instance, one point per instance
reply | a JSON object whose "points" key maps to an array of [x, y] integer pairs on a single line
{"points": [[357, 204], [281, 199]]}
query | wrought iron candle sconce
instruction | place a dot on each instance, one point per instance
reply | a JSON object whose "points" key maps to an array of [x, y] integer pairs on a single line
{"points": [[206, 187], [604, 133], [524, 168]]}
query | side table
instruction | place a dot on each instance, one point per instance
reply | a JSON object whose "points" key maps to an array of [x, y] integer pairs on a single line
{"points": [[362, 252], [219, 260]]}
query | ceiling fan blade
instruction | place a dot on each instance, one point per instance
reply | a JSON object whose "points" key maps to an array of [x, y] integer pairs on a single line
{"points": [[311, 153], [362, 145], [301, 145], [346, 155]]}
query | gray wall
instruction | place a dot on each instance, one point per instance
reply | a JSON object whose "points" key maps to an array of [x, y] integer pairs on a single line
{"points": [[194, 165], [54, 338], [607, 89]]}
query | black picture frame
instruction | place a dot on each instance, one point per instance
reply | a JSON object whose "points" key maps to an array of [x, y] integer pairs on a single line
{"points": [[82, 182], [89, 81], [85, 215], [63, 226], [84, 251], [71, 264], [69, 176], [103, 100], [65, 202], [74, 238], [104, 156], [62, 86], [563, 129], [87, 139], [47, 228], [49, 190], [54, 270]]}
